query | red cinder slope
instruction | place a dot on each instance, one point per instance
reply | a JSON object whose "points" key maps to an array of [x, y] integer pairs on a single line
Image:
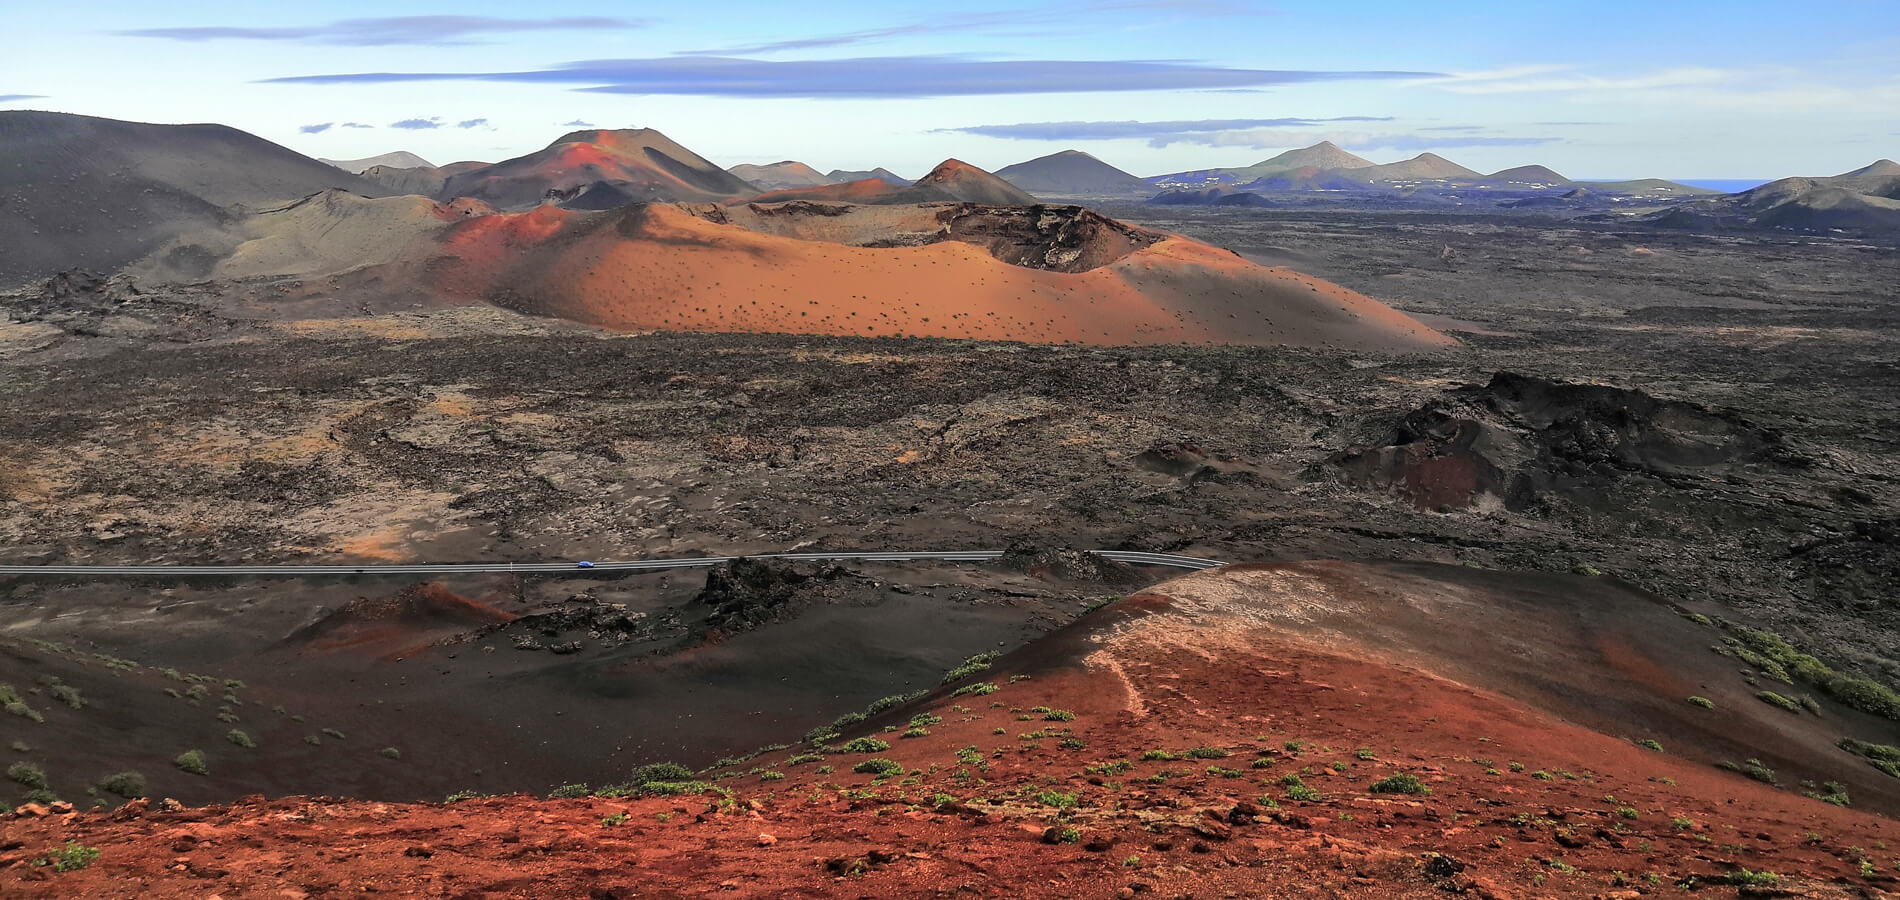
{"points": [[1240, 732]]}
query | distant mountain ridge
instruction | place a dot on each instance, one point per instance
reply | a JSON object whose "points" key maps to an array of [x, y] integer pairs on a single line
{"points": [[1070, 173], [399, 159]]}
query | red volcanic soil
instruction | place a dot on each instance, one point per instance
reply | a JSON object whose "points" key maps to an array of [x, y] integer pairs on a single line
{"points": [[1157, 748], [869, 190], [661, 267]]}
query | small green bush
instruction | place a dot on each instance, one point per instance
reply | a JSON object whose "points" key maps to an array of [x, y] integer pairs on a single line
{"points": [[1703, 702], [1056, 799], [978, 689], [978, 663], [124, 784], [238, 737], [1058, 715], [1773, 699], [866, 745], [569, 791], [192, 762], [1646, 743], [661, 771], [1402, 783], [391, 753], [1208, 753], [12, 702], [878, 766], [28, 775], [69, 858]]}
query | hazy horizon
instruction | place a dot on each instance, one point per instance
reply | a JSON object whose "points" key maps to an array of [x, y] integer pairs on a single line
{"points": [[1151, 86]]}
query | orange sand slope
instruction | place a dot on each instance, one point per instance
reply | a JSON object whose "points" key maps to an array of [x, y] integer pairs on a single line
{"points": [[661, 267]]}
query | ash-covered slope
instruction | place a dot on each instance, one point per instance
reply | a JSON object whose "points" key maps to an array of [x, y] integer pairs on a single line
{"points": [[780, 175], [1071, 173], [78, 191], [399, 159], [617, 167]]}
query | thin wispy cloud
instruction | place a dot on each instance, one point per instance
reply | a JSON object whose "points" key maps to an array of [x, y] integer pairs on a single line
{"points": [[9, 98], [1062, 18], [1464, 128], [471, 123], [376, 32], [317, 129], [1158, 134], [872, 77], [355, 125], [417, 124], [577, 124], [1565, 79]]}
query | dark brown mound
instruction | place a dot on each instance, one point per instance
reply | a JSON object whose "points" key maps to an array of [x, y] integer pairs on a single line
{"points": [[414, 617], [1519, 437], [747, 593]]}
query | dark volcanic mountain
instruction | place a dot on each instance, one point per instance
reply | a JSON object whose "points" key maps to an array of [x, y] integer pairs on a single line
{"points": [[841, 176], [1321, 157], [608, 168], [1071, 173], [78, 191], [1865, 200]]}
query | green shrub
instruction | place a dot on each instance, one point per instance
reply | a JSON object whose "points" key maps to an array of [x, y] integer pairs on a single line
{"points": [[1745, 877], [460, 796], [63, 692], [661, 771], [1056, 799], [1829, 792], [1302, 793], [69, 858], [569, 791], [331, 732], [878, 766], [1402, 783], [916, 733], [673, 788], [1703, 702], [1651, 745], [803, 758], [192, 762], [978, 663], [1208, 753], [27, 774], [979, 689], [238, 737], [1773, 699], [124, 784], [12, 702], [1163, 755], [391, 753], [1058, 715], [884, 703], [866, 745]]}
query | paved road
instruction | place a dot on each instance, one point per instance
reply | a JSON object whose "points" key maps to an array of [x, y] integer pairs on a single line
{"points": [[637, 565]]}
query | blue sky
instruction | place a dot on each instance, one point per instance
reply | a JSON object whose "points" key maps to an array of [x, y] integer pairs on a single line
{"points": [[1681, 89]]}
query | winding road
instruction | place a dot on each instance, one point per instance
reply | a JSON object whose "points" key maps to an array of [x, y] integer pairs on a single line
{"points": [[635, 565]]}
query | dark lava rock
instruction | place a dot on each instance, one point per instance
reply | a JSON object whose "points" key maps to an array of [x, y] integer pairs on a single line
{"points": [[1067, 564], [1519, 438], [747, 593]]}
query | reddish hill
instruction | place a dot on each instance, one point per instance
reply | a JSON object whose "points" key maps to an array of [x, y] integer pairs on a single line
{"points": [[867, 190], [663, 267], [780, 175], [954, 179], [638, 164], [1322, 729]]}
